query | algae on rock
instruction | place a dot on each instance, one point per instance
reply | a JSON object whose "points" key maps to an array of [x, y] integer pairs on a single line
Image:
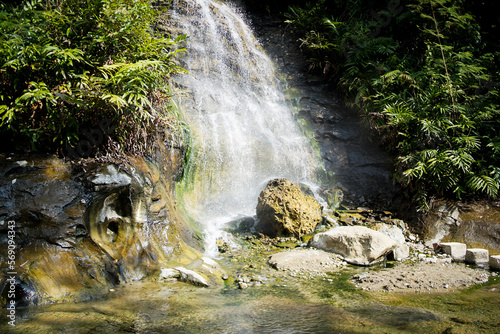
{"points": [[81, 228], [284, 210]]}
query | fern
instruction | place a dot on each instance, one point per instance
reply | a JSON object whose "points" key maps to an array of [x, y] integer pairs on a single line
{"points": [[484, 184], [70, 63]]}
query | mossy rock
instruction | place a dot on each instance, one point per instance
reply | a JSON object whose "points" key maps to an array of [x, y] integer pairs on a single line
{"points": [[284, 210]]}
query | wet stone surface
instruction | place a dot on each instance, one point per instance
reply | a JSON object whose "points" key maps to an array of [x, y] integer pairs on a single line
{"points": [[347, 147]]}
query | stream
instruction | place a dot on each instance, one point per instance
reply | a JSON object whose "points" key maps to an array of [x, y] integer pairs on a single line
{"points": [[281, 302]]}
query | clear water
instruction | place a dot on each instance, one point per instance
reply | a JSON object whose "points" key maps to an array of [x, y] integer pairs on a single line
{"points": [[281, 305], [244, 133]]}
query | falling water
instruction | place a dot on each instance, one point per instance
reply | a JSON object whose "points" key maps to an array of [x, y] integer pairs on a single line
{"points": [[244, 133]]}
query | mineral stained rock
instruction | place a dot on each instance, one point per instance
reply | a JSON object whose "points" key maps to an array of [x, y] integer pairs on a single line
{"points": [[284, 210]]}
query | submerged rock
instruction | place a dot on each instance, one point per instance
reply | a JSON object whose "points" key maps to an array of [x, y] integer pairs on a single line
{"points": [[357, 244], [284, 210]]}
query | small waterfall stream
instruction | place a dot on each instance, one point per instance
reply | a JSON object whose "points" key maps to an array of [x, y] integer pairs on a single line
{"points": [[244, 133]]}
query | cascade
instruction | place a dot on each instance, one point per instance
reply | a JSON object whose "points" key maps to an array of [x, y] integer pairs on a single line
{"points": [[244, 132]]}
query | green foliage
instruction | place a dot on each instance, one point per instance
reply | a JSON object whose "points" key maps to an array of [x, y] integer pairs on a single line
{"points": [[67, 64], [426, 77]]}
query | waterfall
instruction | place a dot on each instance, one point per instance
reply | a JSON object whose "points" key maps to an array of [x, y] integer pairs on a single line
{"points": [[244, 132]]}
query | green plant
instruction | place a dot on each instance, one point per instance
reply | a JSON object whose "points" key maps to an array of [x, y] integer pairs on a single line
{"points": [[67, 64], [432, 93]]}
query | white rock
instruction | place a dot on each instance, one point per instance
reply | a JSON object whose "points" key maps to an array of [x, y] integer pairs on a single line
{"points": [[456, 250], [477, 256], [401, 252], [209, 262], [191, 277], [166, 273], [22, 163], [357, 244], [495, 262]]}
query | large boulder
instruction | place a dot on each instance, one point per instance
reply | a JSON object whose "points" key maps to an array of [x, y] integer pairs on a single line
{"points": [[283, 210], [357, 244]]}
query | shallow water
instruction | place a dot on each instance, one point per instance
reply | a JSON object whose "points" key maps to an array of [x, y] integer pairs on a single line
{"points": [[283, 304]]}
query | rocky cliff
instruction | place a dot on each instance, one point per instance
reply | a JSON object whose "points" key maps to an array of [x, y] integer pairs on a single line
{"points": [[73, 230]]}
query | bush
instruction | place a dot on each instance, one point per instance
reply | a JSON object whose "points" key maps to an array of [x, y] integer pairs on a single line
{"points": [[426, 77], [67, 65]]}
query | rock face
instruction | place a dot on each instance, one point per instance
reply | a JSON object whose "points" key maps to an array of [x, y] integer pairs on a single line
{"points": [[362, 170], [283, 210], [357, 244], [474, 223], [82, 228]]}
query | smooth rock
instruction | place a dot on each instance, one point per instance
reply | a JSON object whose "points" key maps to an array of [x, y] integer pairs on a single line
{"points": [[494, 262], [456, 250], [401, 252], [306, 260], [167, 273], [357, 244], [191, 277], [392, 231], [477, 256], [209, 262]]}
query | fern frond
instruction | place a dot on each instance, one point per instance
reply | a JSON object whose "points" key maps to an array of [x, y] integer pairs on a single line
{"points": [[484, 184]]}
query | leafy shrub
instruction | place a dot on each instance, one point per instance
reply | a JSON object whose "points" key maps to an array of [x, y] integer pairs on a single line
{"points": [[66, 65], [425, 77]]}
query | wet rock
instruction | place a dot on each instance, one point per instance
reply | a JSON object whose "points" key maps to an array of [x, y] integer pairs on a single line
{"points": [[357, 244], [82, 228], [333, 197], [191, 277], [112, 177], [284, 210], [241, 224]]}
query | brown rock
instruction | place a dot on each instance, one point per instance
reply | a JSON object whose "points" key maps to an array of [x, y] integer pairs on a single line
{"points": [[283, 210]]}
